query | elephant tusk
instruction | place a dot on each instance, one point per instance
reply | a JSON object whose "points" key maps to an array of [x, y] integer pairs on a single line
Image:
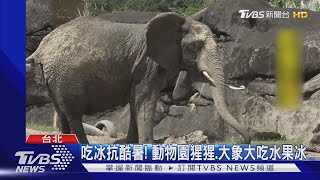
{"points": [[213, 82], [208, 77], [236, 88]]}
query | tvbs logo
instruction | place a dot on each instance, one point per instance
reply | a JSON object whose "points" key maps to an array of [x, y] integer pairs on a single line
{"points": [[252, 14], [29, 162], [300, 14]]}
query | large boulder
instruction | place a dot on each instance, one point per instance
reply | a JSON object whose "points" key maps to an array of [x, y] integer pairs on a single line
{"points": [[196, 137], [45, 13], [42, 16], [256, 111], [251, 50], [183, 120], [249, 59]]}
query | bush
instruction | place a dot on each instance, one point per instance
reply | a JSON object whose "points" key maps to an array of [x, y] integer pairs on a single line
{"points": [[183, 7], [86, 11], [313, 5]]}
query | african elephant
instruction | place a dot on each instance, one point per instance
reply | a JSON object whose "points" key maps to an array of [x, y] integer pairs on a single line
{"points": [[90, 65]]}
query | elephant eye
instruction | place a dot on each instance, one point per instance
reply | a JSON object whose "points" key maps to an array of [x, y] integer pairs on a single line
{"points": [[190, 46], [185, 32], [197, 45]]}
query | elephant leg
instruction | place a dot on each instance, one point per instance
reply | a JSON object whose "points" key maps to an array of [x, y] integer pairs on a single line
{"points": [[73, 109], [143, 108], [145, 118], [70, 112], [77, 128], [144, 96], [63, 123], [132, 136]]}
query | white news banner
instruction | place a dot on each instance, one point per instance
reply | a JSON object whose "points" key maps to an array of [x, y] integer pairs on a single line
{"points": [[190, 168]]}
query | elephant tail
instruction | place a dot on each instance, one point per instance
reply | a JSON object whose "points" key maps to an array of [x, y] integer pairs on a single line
{"points": [[31, 62]]}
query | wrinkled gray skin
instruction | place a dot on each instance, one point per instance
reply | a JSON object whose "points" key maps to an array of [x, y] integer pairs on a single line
{"points": [[91, 65]]}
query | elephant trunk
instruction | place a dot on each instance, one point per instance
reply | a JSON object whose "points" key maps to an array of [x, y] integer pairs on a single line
{"points": [[211, 67], [218, 97]]}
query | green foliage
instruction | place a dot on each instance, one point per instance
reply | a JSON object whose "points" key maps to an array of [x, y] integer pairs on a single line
{"points": [[183, 7], [86, 10], [43, 128], [284, 3], [313, 5]]}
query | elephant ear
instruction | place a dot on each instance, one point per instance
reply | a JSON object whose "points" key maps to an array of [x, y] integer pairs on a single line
{"points": [[164, 36]]}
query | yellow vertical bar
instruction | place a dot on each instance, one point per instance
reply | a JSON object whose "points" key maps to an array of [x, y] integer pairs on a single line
{"points": [[289, 69]]}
